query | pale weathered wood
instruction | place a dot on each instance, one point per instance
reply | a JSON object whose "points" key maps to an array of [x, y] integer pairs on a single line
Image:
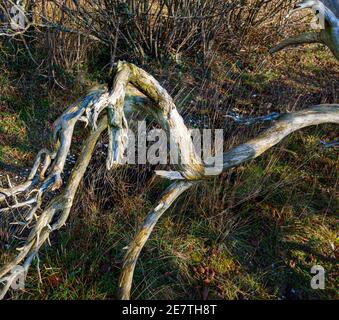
{"points": [[329, 36], [135, 247], [103, 109], [285, 125]]}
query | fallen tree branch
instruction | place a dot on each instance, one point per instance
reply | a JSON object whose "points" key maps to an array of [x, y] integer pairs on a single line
{"points": [[58, 209], [135, 247], [329, 33], [45, 175], [102, 109], [304, 38], [285, 125]]}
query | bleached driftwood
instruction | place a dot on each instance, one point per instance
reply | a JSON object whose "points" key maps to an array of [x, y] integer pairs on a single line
{"points": [[328, 35], [132, 89]]}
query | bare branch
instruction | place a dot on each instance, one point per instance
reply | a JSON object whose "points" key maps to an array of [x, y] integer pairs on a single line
{"points": [[304, 38], [285, 125], [329, 33], [108, 109]]}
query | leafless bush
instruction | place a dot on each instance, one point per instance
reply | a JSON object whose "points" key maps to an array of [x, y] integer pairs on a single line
{"points": [[141, 29], [154, 28], [166, 28]]}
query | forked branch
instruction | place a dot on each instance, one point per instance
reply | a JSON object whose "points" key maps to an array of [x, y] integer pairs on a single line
{"points": [[109, 109], [285, 125]]}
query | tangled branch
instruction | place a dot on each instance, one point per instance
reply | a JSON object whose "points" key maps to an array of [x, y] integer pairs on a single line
{"points": [[109, 109]]}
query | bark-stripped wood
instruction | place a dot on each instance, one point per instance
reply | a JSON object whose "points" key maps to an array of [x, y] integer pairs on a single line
{"points": [[284, 126], [132, 89], [329, 35], [135, 247]]}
